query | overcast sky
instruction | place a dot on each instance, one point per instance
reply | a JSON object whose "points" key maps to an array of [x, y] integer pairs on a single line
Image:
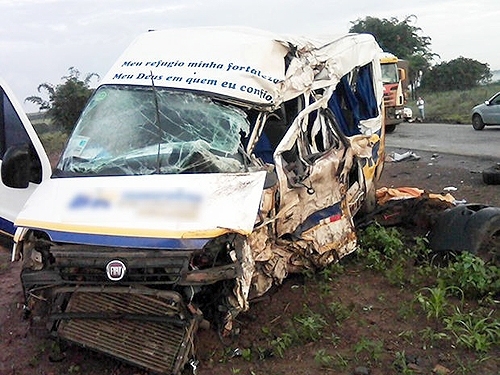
{"points": [[41, 39]]}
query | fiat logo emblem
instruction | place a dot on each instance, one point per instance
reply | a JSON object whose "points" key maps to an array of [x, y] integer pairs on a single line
{"points": [[115, 270]]}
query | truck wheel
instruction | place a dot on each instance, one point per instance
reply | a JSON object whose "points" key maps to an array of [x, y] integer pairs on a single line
{"points": [[489, 250], [390, 128], [477, 122], [491, 176]]}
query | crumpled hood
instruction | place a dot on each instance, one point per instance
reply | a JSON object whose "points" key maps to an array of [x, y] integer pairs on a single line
{"points": [[154, 206]]}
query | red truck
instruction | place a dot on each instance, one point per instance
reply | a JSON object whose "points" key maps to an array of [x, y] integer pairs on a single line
{"points": [[394, 79]]}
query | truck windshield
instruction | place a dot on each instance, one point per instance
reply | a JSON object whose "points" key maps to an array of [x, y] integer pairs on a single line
{"points": [[389, 73], [131, 130]]}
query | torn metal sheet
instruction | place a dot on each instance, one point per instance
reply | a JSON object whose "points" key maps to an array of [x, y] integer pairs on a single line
{"points": [[408, 155]]}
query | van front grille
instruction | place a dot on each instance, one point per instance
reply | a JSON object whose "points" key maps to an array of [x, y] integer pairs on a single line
{"points": [[148, 331]]}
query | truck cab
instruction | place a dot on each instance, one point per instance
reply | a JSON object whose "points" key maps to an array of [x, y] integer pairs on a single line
{"points": [[393, 78], [199, 175]]}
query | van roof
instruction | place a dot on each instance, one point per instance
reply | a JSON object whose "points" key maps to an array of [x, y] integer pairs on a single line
{"points": [[242, 63]]}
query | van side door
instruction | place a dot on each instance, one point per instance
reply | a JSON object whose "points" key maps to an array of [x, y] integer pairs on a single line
{"points": [[22, 157]]}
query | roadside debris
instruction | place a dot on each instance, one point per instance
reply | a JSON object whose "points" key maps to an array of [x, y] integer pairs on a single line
{"points": [[449, 225], [396, 157]]}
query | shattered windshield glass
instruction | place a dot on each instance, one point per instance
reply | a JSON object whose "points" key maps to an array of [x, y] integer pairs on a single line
{"points": [[131, 130]]}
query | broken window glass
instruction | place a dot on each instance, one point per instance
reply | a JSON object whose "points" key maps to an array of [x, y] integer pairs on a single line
{"points": [[130, 130]]}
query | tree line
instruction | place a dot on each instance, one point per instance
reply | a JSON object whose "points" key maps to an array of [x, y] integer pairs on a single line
{"points": [[405, 40]]}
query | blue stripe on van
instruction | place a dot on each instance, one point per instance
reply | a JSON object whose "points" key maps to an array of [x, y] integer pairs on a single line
{"points": [[124, 241], [328, 214], [7, 226]]}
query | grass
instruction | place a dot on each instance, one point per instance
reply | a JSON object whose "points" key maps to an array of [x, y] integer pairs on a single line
{"points": [[454, 107], [438, 290]]}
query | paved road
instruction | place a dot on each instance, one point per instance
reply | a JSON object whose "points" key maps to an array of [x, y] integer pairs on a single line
{"points": [[445, 138]]}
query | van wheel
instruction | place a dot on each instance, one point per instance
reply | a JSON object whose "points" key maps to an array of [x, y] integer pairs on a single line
{"points": [[477, 122], [491, 176]]}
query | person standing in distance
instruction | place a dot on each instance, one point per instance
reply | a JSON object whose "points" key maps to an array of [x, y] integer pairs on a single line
{"points": [[421, 108]]}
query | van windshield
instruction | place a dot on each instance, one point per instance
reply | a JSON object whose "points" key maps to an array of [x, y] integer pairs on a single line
{"points": [[131, 130]]}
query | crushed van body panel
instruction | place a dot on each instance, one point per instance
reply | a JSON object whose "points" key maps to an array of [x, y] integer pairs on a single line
{"points": [[204, 172]]}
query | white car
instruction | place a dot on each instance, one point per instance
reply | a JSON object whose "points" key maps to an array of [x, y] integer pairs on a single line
{"points": [[487, 113]]}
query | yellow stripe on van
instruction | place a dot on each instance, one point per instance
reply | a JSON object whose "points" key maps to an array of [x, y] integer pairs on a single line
{"points": [[128, 232]]}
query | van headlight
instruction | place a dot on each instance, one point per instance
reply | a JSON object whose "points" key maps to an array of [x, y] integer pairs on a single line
{"points": [[35, 252]]}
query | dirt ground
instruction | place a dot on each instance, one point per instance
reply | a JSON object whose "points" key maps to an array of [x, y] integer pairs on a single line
{"points": [[368, 344]]}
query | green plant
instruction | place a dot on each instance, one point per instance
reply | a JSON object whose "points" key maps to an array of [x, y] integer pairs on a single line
{"points": [[246, 354], [474, 330], [341, 362], [396, 273], [430, 336], [331, 270], [323, 359], [400, 364], [325, 289], [422, 248], [379, 246], [66, 100], [407, 335], [310, 325], [42, 348], [282, 343], [434, 301], [470, 273], [466, 367], [372, 349], [335, 339], [406, 310], [265, 330], [339, 311]]}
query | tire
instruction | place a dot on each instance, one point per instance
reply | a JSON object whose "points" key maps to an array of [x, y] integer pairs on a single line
{"points": [[489, 250], [390, 128], [477, 122], [491, 176]]}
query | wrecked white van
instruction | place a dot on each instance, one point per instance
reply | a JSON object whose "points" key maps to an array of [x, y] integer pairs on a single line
{"points": [[207, 166]]}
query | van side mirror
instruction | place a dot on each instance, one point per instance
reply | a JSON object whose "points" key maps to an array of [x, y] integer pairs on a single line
{"points": [[16, 167]]}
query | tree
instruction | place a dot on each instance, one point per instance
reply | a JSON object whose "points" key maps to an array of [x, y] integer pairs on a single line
{"points": [[458, 74], [65, 101], [401, 38]]}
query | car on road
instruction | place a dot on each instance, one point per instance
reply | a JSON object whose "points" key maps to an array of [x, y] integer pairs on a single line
{"points": [[487, 113]]}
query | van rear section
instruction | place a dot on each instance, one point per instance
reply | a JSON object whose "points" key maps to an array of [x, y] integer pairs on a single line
{"points": [[199, 175]]}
